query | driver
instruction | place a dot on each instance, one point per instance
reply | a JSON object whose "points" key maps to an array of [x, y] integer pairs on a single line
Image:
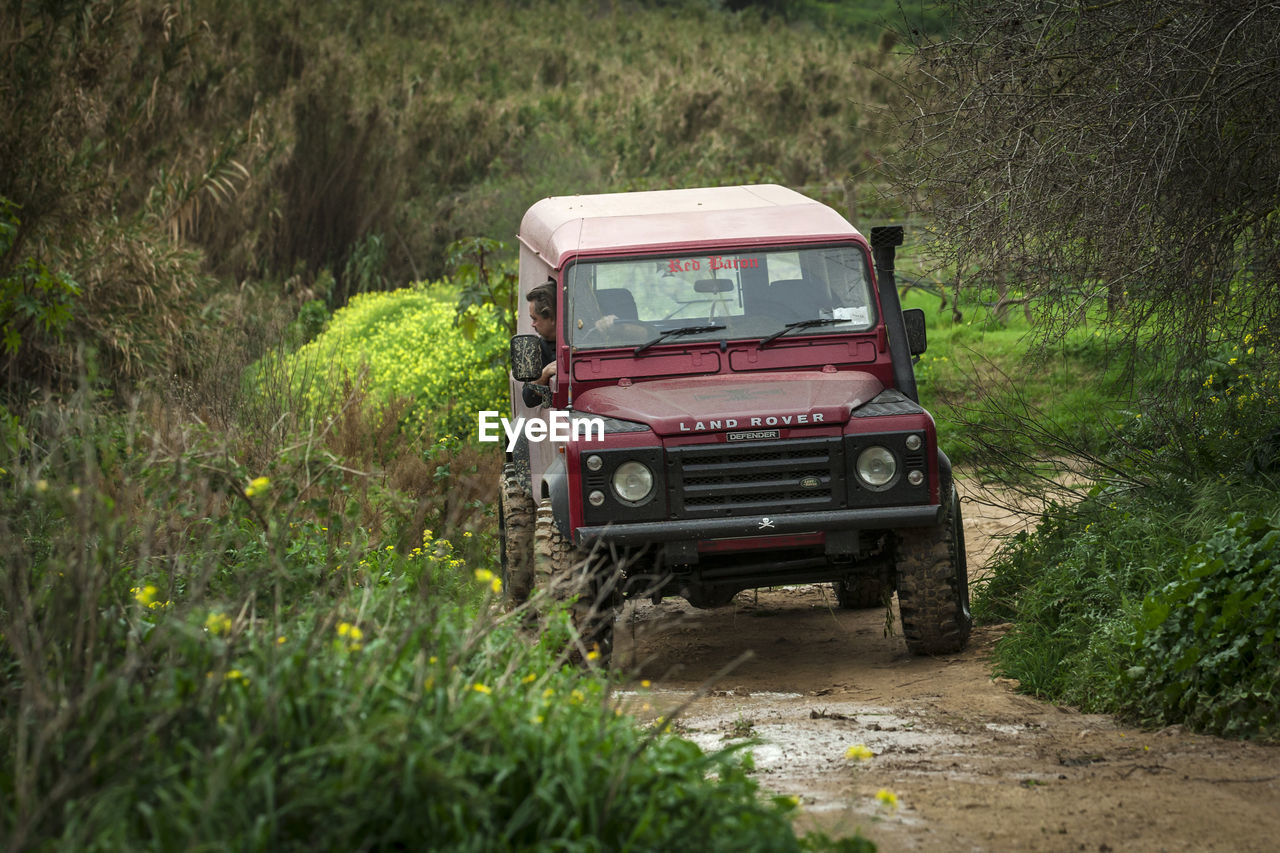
{"points": [[542, 311]]}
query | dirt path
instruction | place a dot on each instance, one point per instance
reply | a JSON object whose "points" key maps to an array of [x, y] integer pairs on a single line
{"points": [[975, 766]]}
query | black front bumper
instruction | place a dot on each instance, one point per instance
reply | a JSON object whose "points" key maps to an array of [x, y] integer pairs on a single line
{"points": [[700, 529]]}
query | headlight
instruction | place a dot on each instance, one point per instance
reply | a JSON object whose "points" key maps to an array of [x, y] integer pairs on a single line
{"points": [[633, 482], [876, 466]]}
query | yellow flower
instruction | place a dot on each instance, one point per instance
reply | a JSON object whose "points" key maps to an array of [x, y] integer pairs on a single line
{"points": [[280, 640], [145, 595], [530, 678], [236, 675], [466, 534], [859, 752], [887, 798], [481, 688], [256, 486], [645, 684], [484, 576], [217, 623], [346, 629]]}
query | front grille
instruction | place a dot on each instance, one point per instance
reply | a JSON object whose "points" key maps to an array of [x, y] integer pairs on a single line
{"points": [[756, 479]]}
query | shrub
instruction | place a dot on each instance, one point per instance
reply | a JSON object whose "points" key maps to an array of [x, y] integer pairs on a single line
{"points": [[403, 344], [1206, 648]]}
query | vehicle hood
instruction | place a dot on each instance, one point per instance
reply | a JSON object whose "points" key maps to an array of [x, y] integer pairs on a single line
{"points": [[720, 403]]}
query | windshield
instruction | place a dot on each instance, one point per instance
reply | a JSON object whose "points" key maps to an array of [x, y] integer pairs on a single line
{"points": [[743, 295]]}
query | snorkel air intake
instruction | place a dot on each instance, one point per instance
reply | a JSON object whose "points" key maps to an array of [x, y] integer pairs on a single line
{"points": [[885, 240]]}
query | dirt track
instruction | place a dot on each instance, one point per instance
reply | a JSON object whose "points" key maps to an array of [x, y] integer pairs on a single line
{"points": [[975, 766]]}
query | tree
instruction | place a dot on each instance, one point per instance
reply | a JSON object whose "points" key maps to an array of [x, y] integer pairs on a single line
{"points": [[1119, 156]]}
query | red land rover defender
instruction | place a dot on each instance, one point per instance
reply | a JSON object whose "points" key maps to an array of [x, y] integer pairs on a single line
{"points": [[761, 424]]}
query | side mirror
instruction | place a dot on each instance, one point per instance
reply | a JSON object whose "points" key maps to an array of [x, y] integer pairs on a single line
{"points": [[913, 319], [526, 357]]}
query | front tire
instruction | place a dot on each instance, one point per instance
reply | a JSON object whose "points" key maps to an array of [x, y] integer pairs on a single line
{"points": [[933, 585], [515, 526]]}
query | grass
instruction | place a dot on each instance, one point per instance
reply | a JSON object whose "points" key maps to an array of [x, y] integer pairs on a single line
{"points": [[983, 375]]}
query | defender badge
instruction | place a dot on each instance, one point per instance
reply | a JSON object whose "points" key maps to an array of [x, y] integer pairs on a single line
{"points": [[752, 435], [766, 523]]}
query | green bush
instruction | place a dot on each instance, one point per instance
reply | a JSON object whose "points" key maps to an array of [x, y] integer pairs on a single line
{"points": [[33, 300], [403, 344], [1206, 649]]}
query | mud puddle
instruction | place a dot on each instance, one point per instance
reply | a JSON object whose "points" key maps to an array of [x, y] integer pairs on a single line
{"points": [[972, 764]]}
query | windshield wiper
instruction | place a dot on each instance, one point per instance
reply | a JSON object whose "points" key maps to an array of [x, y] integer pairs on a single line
{"points": [[802, 324], [683, 330]]}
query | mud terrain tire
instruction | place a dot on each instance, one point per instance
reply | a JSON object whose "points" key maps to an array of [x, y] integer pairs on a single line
{"points": [[566, 574], [515, 526], [933, 585], [859, 593]]}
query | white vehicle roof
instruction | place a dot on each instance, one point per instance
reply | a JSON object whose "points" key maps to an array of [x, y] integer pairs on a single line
{"points": [[619, 223]]}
